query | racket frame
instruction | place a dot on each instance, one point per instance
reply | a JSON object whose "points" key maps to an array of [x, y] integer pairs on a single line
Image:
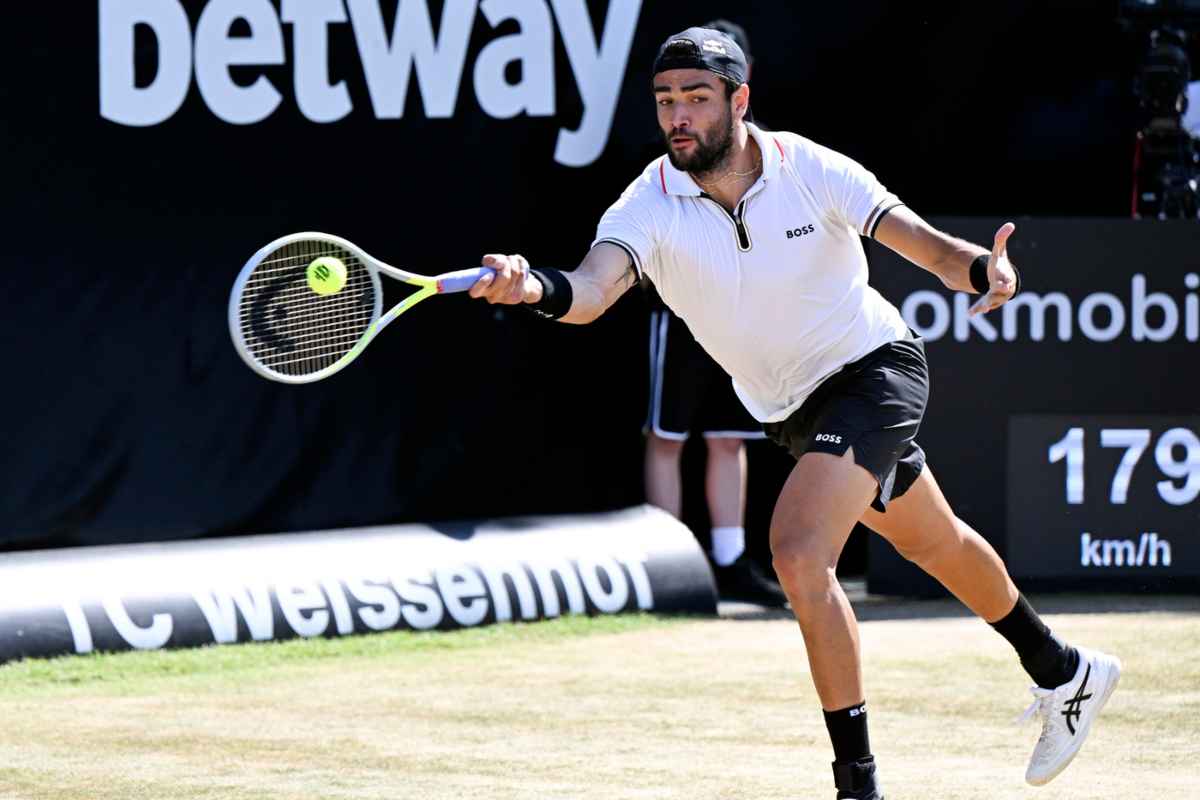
{"points": [[427, 287]]}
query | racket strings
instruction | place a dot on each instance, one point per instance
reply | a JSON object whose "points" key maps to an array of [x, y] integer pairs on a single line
{"points": [[310, 355], [334, 303], [292, 330]]}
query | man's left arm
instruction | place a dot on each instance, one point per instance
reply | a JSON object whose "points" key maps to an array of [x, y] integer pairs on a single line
{"points": [[951, 258]]}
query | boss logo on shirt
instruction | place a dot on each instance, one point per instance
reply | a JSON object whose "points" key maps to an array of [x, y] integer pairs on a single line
{"points": [[828, 437], [804, 230]]}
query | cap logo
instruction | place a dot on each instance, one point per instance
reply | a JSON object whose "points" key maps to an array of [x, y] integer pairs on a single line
{"points": [[714, 46]]}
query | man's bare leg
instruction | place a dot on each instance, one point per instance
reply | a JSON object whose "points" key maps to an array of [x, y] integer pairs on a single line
{"points": [[1074, 683], [725, 481], [923, 529], [725, 493], [664, 484], [820, 502]]}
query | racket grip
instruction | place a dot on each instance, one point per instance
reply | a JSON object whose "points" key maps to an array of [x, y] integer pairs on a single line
{"points": [[462, 280]]}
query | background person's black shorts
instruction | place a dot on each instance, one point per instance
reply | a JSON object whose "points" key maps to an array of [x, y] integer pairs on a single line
{"points": [[688, 391], [874, 405]]}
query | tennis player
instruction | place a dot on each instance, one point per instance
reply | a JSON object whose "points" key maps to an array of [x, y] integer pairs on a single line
{"points": [[753, 239]]}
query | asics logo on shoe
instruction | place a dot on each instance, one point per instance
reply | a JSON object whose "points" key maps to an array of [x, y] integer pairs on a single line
{"points": [[1073, 708]]}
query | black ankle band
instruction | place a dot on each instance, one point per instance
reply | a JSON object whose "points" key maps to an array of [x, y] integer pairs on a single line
{"points": [[856, 779]]}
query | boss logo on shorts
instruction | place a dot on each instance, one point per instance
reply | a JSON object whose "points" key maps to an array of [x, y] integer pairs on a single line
{"points": [[828, 437], [803, 230]]}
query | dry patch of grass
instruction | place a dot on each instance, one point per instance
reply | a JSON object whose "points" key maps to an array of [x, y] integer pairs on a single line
{"points": [[633, 707]]}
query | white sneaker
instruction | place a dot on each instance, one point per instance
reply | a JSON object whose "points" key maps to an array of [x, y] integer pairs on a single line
{"points": [[1067, 713]]}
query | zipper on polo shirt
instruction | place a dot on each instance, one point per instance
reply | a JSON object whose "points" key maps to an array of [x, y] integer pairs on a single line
{"points": [[738, 218]]}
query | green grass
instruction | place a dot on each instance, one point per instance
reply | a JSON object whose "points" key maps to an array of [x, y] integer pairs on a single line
{"points": [[615, 708], [130, 672]]}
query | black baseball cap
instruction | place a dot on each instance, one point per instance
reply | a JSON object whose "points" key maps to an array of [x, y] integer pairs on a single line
{"points": [[703, 48]]}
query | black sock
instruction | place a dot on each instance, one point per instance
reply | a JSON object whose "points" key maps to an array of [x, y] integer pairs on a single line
{"points": [[1048, 660], [848, 732]]}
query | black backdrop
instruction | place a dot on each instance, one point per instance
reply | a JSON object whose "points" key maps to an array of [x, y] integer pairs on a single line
{"points": [[130, 418]]}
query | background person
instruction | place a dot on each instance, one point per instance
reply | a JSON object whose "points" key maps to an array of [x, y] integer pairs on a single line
{"points": [[690, 393]]}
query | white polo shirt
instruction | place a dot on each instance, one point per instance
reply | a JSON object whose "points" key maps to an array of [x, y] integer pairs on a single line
{"points": [[777, 291]]}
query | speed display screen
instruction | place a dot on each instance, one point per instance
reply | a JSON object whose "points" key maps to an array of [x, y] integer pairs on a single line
{"points": [[1096, 495]]}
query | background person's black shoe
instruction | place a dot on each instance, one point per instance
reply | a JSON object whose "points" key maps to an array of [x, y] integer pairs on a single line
{"points": [[746, 581], [856, 780]]}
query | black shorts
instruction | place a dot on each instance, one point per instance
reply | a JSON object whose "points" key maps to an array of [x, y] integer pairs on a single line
{"points": [[874, 405], [688, 391]]}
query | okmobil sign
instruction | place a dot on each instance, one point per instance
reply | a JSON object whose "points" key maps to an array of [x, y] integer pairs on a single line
{"points": [[250, 33], [1140, 314], [409, 577]]}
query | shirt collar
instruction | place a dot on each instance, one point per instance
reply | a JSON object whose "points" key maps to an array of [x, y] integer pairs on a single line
{"points": [[678, 182]]}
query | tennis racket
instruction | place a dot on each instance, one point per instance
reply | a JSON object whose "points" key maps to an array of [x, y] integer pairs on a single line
{"points": [[287, 332]]}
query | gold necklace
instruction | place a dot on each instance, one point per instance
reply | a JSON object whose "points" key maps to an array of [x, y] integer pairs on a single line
{"points": [[731, 174]]}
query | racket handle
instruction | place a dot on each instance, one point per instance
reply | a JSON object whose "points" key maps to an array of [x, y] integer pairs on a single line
{"points": [[462, 280]]}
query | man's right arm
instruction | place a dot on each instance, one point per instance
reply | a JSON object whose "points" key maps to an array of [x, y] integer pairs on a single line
{"points": [[605, 274]]}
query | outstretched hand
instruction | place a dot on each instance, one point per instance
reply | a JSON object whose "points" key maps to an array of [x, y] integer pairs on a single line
{"points": [[1002, 278], [511, 283]]}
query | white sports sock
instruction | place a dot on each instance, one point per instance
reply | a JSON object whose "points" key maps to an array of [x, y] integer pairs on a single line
{"points": [[727, 545]]}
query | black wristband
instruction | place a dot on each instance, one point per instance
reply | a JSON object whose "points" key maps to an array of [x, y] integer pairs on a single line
{"points": [[979, 276], [556, 294]]}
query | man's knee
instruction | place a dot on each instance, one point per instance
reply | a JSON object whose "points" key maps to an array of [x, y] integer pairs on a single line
{"points": [[722, 446], [803, 563], [666, 448]]}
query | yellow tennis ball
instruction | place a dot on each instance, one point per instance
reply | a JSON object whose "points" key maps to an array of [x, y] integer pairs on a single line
{"points": [[326, 275]]}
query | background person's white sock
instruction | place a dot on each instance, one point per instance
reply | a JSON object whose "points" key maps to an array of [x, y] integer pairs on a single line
{"points": [[727, 545]]}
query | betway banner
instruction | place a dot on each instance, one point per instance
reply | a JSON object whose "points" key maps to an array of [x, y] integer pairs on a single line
{"points": [[254, 34], [408, 577], [1063, 426]]}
